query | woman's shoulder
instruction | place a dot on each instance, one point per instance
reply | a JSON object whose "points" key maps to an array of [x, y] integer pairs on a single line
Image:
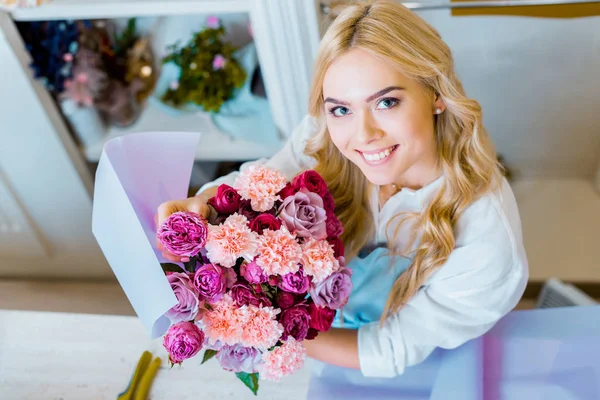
{"points": [[488, 240], [491, 228], [495, 215]]}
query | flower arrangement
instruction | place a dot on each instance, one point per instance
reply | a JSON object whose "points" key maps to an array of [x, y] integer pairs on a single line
{"points": [[264, 273], [209, 72]]}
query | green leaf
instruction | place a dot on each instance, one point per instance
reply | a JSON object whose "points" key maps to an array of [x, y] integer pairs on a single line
{"points": [[190, 266], [170, 267], [250, 380], [208, 354]]}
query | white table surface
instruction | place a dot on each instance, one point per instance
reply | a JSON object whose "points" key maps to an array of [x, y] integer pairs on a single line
{"points": [[66, 356]]}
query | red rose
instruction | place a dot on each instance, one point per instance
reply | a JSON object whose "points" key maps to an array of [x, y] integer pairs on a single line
{"points": [[329, 203], [312, 181], [226, 201], [334, 226], [285, 299], [287, 191], [312, 333], [321, 318], [246, 210], [264, 221], [338, 246]]}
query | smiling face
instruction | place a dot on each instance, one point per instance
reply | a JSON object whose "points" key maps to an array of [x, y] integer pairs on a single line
{"points": [[381, 120]]}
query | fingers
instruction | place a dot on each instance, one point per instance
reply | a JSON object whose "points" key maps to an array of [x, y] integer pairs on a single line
{"points": [[171, 257]]}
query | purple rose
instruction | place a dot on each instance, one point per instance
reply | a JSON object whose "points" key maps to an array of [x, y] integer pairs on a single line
{"points": [[187, 298], [226, 201], [210, 281], [333, 291], [238, 358], [264, 221], [253, 273], [295, 321], [244, 295], [285, 299], [295, 282], [183, 233], [303, 213]]}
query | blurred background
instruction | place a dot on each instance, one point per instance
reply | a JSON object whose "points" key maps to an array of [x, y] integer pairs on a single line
{"points": [[74, 74]]}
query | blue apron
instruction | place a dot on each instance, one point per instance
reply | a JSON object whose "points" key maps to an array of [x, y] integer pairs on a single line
{"points": [[372, 277]]}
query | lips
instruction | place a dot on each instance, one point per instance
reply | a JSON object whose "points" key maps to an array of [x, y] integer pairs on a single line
{"points": [[378, 156]]}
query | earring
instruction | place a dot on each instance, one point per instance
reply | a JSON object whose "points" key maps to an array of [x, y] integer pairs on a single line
{"points": [[438, 110]]}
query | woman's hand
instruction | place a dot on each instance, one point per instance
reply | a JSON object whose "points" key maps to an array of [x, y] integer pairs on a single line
{"points": [[196, 204]]}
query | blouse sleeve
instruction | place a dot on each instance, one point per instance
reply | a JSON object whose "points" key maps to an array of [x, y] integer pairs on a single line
{"points": [[480, 283], [290, 160]]}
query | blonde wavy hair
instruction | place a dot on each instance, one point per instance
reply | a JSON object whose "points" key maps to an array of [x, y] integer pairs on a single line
{"points": [[388, 30]]}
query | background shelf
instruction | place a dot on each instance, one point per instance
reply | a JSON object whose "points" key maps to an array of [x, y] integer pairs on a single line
{"points": [[214, 145], [94, 9]]}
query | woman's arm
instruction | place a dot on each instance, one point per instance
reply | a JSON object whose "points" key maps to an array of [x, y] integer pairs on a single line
{"points": [[337, 346]]}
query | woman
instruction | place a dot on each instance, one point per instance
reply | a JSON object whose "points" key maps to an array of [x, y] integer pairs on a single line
{"points": [[432, 230]]}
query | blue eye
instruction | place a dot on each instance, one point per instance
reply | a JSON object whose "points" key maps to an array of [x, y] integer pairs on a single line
{"points": [[387, 103], [339, 111]]}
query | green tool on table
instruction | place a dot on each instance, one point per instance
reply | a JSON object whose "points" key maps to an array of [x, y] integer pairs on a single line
{"points": [[140, 383]]}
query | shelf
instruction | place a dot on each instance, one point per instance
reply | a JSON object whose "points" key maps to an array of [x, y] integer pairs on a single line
{"points": [[95, 9], [214, 145], [561, 228]]}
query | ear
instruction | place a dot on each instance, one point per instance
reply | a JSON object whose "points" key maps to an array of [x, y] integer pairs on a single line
{"points": [[438, 104]]}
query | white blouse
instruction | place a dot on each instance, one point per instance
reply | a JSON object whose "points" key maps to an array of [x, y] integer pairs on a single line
{"points": [[482, 280]]}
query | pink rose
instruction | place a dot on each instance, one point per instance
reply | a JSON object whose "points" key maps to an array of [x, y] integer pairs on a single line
{"points": [[312, 181], [183, 233], [334, 226], [265, 221], [295, 282], [182, 341], [210, 281], [295, 321], [226, 201], [253, 273], [321, 318], [304, 215], [187, 298]]}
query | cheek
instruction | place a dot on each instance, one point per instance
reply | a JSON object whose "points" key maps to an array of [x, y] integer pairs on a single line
{"points": [[340, 137]]}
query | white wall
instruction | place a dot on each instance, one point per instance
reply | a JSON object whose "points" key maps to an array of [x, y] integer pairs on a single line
{"points": [[538, 83]]}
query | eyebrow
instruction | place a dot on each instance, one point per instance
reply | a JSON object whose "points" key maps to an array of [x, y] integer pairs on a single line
{"points": [[368, 99]]}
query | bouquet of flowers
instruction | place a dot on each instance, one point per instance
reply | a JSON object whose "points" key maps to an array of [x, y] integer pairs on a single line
{"points": [[264, 273]]}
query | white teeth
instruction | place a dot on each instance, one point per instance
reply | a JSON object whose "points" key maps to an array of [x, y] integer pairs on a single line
{"points": [[378, 156]]}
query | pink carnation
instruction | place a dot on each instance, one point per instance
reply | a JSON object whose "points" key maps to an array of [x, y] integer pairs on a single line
{"points": [[260, 185], [278, 252], [231, 240], [262, 330], [225, 322], [283, 360], [249, 325], [318, 259]]}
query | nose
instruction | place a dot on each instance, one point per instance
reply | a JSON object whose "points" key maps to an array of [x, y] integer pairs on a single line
{"points": [[368, 131]]}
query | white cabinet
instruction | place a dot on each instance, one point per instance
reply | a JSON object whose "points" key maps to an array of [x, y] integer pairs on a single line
{"points": [[45, 183]]}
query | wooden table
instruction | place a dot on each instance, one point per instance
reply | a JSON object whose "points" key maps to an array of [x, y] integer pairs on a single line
{"points": [[66, 356]]}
